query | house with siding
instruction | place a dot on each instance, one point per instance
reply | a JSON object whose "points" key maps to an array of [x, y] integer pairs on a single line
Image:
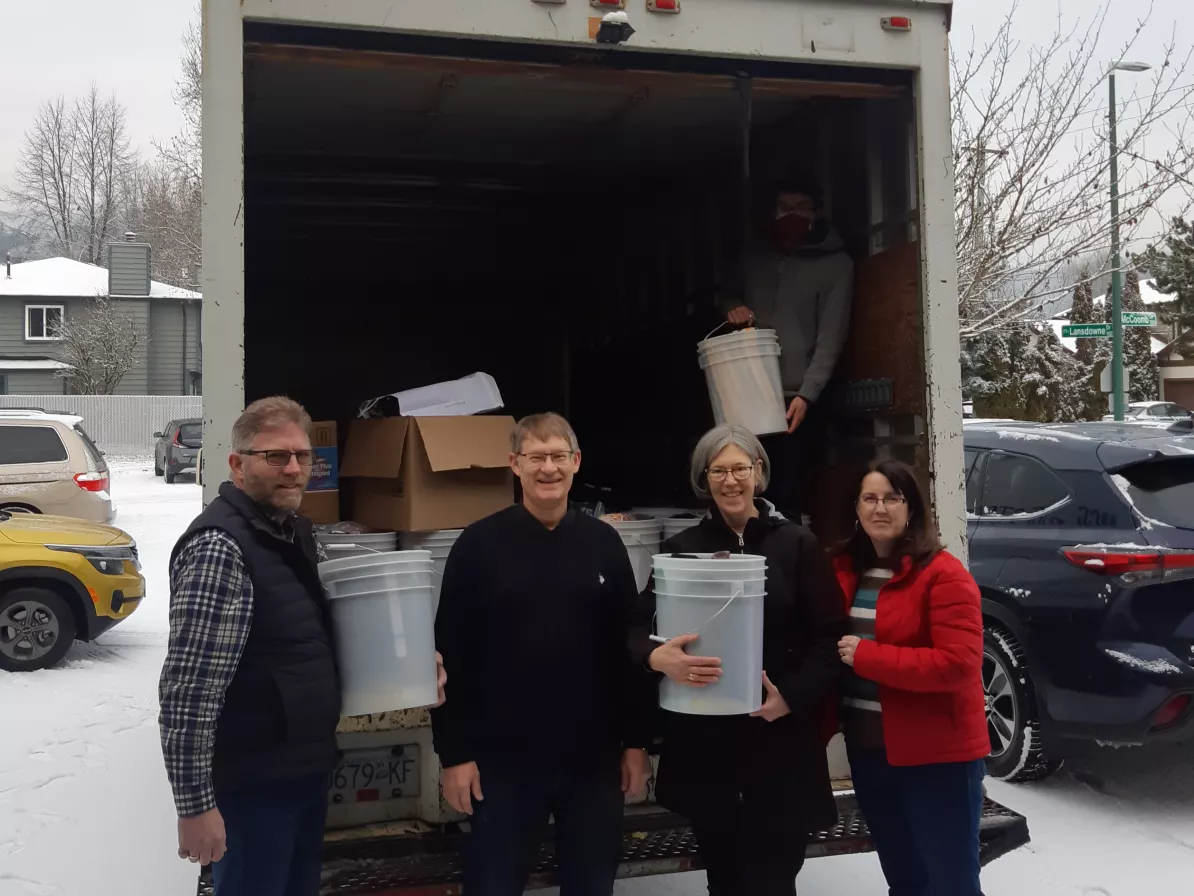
{"points": [[37, 296]]}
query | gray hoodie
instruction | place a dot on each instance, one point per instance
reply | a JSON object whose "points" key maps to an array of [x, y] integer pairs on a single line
{"points": [[806, 298]]}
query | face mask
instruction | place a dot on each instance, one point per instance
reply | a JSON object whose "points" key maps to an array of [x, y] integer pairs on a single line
{"points": [[792, 230]]}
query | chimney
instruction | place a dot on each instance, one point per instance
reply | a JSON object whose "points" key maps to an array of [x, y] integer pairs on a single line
{"points": [[128, 267]]}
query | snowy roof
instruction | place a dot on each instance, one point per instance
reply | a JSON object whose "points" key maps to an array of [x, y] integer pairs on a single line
{"points": [[1071, 344], [63, 278]]}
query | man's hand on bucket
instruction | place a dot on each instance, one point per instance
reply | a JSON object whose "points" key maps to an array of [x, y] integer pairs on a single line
{"points": [[636, 772], [694, 671], [462, 785], [441, 679], [796, 412], [201, 838]]}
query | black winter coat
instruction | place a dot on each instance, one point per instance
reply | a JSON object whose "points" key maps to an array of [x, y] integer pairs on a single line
{"points": [[707, 763]]}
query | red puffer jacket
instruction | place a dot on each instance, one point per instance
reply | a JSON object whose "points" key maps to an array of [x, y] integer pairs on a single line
{"points": [[927, 660]]}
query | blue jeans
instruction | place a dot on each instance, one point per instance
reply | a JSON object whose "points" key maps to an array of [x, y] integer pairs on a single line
{"points": [[509, 825], [275, 838], [925, 821]]}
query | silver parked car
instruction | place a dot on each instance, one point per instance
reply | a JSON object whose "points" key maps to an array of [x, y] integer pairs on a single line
{"points": [[1157, 412]]}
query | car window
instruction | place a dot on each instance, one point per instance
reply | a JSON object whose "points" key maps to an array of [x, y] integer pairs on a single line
{"points": [[1163, 491], [1159, 410], [96, 456], [1015, 485], [975, 461], [30, 445], [191, 434]]}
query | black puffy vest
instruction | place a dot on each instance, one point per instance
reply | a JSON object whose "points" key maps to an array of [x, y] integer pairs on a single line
{"points": [[283, 705]]}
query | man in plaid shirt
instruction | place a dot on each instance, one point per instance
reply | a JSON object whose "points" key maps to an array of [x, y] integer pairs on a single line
{"points": [[250, 696]]}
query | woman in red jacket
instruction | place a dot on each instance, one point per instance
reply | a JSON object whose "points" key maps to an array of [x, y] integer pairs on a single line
{"points": [[913, 712]]}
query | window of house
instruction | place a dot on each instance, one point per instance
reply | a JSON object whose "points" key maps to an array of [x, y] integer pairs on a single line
{"points": [[1018, 486], [26, 444], [3, 384], [43, 322]]}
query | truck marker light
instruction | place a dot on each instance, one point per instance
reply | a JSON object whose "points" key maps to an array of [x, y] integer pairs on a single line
{"points": [[607, 4], [669, 6], [896, 23]]}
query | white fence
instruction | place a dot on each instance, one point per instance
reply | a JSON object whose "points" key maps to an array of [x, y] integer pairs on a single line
{"points": [[118, 424]]}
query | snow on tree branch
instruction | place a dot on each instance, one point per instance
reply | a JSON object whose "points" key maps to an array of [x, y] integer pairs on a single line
{"points": [[99, 343], [1032, 162]]}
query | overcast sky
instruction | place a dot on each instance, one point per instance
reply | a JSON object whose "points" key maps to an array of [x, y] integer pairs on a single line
{"points": [[130, 47]]}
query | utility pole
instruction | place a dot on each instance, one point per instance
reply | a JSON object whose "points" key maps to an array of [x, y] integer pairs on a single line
{"points": [[1117, 282]]}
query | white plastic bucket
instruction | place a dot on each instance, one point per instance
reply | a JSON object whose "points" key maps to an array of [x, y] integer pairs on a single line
{"points": [[385, 637], [742, 374], [728, 628], [439, 544], [703, 566], [642, 539], [711, 588], [673, 527]]}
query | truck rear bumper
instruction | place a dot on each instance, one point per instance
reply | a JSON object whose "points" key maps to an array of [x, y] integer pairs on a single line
{"points": [[653, 844]]}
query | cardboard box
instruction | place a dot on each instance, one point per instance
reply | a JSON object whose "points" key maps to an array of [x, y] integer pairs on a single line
{"points": [[417, 474], [321, 506], [325, 474]]}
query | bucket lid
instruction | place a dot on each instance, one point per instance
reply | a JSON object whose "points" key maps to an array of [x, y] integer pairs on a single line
{"points": [[706, 563], [396, 559], [747, 336], [383, 592]]}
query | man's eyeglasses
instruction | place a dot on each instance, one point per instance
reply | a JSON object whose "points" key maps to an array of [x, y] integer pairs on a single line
{"points": [[873, 501], [277, 457], [741, 472], [559, 458]]}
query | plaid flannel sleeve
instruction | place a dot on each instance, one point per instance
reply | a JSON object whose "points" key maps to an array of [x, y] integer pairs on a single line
{"points": [[211, 609]]}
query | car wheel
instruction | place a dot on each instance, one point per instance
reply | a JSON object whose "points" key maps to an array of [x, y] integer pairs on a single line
{"points": [[1017, 751], [170, 477], [16, 508], [36, 629], [157, 470]]}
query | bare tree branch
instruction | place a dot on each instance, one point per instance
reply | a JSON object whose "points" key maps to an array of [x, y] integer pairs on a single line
{"points": [[99, 343]]}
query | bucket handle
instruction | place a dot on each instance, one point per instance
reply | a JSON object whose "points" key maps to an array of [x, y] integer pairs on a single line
{"points": [[659, 639], [754, 322]]}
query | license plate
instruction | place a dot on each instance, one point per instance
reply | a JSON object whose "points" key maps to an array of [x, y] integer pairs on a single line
{"points": [[369, 776]]}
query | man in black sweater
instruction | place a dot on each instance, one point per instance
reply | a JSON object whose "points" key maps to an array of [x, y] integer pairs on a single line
{"points": [[548, 715]]}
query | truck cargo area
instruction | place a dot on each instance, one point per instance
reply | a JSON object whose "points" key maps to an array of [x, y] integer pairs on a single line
{"points": [[565, 220]]}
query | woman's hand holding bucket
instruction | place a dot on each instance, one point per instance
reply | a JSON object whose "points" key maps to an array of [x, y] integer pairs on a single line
{"points": [[694, 671]]}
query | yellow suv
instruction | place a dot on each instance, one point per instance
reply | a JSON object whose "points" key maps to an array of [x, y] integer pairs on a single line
{"points": [[61, 579]]}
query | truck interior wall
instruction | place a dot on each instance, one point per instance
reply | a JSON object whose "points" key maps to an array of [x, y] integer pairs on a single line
{"points": [[580, 274]]}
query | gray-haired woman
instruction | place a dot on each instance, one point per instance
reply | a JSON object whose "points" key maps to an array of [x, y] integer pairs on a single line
{"points": [[754, 786]]}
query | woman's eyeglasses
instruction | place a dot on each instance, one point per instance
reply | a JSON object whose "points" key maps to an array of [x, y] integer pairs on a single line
{"points": [[873, 501], [741, 472]]}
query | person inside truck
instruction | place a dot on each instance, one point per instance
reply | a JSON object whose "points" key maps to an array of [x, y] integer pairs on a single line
{"points": [[548, 717], [799, 282], [250, 696], [753, 815], [913, 710]]}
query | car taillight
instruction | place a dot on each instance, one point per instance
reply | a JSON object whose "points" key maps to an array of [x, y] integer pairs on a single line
{"points": [[1171, 711], [92, 482], [1119, 562], [176, 435]]}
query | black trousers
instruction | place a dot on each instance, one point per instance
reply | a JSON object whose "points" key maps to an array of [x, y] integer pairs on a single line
{"points": [[509, 825], [793, 459], [748, 853]]}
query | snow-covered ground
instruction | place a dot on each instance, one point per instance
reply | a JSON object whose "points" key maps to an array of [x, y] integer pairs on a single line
{"points": [[85, 809]]}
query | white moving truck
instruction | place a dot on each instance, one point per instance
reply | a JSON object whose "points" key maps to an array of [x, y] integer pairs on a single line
{"points": [[400, 193]]}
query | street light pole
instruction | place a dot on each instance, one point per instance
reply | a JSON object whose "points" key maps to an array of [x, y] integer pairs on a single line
{"points": [[1117, 282], [1117, 286]]}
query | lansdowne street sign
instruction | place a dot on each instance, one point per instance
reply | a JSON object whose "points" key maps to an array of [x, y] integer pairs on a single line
{"points": [[1086, 331]]}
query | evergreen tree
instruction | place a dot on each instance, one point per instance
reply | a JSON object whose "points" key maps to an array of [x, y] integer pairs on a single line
{"points": [[1083, 312], [1173, 267], [1139, 362]]}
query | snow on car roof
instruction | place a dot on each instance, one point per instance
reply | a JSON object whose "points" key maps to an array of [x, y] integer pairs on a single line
{"points": [[64, 278]]}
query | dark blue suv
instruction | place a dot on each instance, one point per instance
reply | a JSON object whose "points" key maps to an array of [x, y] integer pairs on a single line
{"points": [[1082, 542]]}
